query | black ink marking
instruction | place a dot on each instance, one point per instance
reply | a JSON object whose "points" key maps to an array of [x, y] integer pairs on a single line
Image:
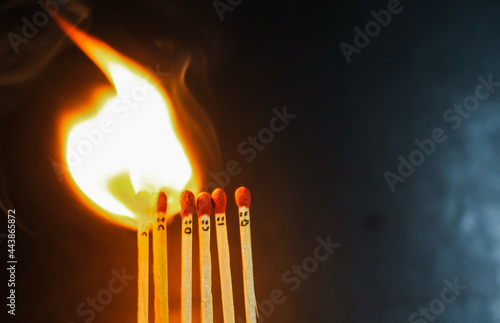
{"points": [[187, 230], [246, 213], [241, 213], [205, 229], [221, 223], [161, 226], [244, 223], [144, 234]]}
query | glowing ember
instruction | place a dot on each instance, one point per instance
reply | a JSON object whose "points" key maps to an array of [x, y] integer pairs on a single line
{"points": [[127, 143]]}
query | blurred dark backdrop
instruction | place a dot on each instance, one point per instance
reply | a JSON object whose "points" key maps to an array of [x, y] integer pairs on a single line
{"points": [[322, 176]]}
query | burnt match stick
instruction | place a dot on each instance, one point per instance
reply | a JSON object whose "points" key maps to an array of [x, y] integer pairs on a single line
{"points": [[143, 207], [160, 260], [187, 209], [220, 201], [242, 196], [204, 208]]}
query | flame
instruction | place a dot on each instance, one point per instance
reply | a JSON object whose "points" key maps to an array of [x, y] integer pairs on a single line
{"points": [[128, 142]]}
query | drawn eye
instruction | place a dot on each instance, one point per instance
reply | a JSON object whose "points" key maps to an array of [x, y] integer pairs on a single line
{"points": [[241, 213], [186, 222], [162, 219], [189, 221], [222, 218], [246, 213]]}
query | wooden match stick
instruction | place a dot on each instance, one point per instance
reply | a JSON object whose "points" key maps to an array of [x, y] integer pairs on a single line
{"points": [[204, 208], [143, 280], [143, 222], [220, 201], [160, 260], [242, 196], [187, 209]]}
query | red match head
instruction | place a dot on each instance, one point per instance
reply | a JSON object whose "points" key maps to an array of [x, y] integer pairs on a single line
{"points": [[187, 203], [242, 196], [204, 204], [220, 200], [161, 202]]}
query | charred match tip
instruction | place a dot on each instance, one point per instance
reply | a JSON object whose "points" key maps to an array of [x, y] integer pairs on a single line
{"points": [[204, 204], [161, 202], [220, 200], [242, 196], [187, 203]]}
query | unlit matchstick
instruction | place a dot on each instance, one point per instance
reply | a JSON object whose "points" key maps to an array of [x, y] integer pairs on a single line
{"points": [[220, 201], [204, 208], [187, 209], [160, 260], [242, 196]]}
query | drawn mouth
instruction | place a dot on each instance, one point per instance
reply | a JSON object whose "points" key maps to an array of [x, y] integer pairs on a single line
{"points": [[187, 230], [161, 226], [205, 229], [222, 223]]}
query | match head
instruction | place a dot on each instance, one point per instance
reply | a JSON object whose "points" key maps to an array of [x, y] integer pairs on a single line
{"points": [[242, 196], [204, 204], [161, 203], [220, 200], [187, 203]]}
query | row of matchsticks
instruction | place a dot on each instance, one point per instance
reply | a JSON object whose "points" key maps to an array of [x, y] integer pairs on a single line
{"points": [[204, 204]]}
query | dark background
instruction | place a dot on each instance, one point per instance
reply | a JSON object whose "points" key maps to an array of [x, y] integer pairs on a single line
{"points": [[321, 176]]}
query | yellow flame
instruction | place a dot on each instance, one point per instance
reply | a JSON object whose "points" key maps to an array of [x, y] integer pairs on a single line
{"points": [[128, 144]]}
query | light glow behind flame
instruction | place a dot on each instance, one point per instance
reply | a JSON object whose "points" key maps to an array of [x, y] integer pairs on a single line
{"points": [[129, 143]]}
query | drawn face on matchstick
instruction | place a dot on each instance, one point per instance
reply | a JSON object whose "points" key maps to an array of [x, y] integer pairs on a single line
{"points": [[219, 200], [244, 219], [188, 224], [205, 222], [220, 219], [161, 209], [160, 220]]}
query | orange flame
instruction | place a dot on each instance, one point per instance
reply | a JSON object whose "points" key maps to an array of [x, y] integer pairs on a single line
{"points": [[128, 142]]}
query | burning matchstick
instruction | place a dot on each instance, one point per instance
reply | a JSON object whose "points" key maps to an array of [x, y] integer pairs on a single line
{"points": [[152, 167]]}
